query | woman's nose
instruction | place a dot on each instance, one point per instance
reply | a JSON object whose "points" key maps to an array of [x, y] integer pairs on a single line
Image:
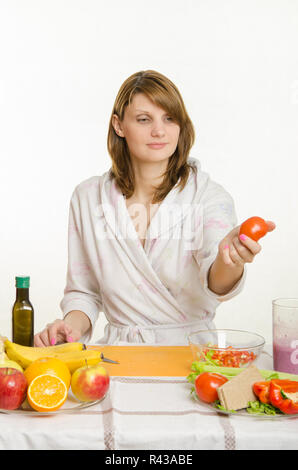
{"points": [[157, 130]]}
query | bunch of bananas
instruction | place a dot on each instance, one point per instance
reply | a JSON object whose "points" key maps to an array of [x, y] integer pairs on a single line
{"points": [[75, 354]]}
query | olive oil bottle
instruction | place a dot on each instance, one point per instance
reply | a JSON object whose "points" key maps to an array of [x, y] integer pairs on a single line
{"points": [[23, 314]]}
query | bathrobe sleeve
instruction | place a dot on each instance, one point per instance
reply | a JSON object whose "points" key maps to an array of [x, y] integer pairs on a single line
{"points": [[219, 218], [82, 291]]}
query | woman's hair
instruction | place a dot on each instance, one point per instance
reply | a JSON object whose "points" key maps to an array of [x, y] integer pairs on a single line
{"points": [[164, 94]]}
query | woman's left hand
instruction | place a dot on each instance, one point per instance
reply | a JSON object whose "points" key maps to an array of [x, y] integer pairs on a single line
{"points": [[236, 250]]}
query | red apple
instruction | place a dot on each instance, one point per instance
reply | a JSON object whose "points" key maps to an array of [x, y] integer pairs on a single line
{"points": [[13, 388], [89, 383]]}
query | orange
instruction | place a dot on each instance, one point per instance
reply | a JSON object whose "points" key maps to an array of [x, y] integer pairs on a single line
{"points": [[46, 393], [48, 365]]}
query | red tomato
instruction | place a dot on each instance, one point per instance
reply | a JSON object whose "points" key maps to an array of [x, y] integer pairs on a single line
{"points": [[206, 386], [254, 227]]}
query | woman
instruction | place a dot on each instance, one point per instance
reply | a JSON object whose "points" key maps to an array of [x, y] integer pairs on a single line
{"points": [[153, 243]]}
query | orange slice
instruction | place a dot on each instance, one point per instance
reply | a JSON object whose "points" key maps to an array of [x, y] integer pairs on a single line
{"points": [[46, 393]]}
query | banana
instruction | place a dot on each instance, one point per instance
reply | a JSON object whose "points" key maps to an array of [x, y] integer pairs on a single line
{"points": [[24, 355], [5, 362], [77, 359]]}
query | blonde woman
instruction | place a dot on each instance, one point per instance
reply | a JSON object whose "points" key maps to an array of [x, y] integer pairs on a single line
{"points": [[153, 242]]}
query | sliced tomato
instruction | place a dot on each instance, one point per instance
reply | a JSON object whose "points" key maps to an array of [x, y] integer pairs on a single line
{"points": [[229, 357]]}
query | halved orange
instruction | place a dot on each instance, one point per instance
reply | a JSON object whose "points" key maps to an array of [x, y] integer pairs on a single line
{"points": [[48, 365], [46, 393]]}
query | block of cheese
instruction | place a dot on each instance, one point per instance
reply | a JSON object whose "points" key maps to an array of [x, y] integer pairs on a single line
{"points": [[237, 392]]}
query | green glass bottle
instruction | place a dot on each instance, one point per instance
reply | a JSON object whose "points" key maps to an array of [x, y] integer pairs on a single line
{"points": [[23, 314]]}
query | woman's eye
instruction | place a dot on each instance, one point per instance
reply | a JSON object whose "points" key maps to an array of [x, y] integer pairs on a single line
{"points": [[145, 119]]}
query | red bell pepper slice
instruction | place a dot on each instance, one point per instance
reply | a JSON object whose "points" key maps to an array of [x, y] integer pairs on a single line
{"points": [[261, 390], [280, 395]]}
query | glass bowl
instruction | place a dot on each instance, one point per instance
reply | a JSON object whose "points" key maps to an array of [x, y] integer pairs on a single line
{"points": [[226, 348]]}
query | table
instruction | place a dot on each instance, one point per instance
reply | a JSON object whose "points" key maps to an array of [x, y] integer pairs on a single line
{"points": [[154, 413]]}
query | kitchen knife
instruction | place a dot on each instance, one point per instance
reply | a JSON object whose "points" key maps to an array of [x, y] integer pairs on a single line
{"points": [[105, 359]]}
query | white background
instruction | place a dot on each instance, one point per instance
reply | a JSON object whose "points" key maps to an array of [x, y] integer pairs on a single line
{"points": [[62, 63]]}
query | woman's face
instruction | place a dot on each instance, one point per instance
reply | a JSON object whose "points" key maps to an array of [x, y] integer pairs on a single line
{"points": [[144, 124]]}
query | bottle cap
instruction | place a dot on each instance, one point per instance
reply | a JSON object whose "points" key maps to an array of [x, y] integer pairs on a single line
{"points": [[23, 282]]}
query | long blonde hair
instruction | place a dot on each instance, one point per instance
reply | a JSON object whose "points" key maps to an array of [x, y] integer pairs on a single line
{"points": [[164, 94]]}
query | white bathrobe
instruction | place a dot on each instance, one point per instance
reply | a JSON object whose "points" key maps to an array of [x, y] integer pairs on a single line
{"points": [[159, 293]]}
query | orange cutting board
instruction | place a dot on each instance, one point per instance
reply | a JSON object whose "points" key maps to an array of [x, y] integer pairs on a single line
{"points": [[142, 361]]}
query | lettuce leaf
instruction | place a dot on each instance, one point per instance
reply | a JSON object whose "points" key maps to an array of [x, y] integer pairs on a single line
{"points": [[262, 408]]}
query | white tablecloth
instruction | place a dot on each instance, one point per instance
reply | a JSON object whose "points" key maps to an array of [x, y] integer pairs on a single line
{"points": [[153, 413]]}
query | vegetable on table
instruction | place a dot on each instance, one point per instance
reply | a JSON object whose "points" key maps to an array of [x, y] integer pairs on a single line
{"points": [[283, 394], [229, 357], [257, 407], [206, 385], [261, 390], [201, 366], [276, 394]]}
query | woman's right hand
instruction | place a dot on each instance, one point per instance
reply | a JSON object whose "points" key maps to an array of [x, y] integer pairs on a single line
{"points": [[56, 332]]}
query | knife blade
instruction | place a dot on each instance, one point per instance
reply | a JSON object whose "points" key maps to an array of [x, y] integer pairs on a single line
{"points": [[105, 359]]}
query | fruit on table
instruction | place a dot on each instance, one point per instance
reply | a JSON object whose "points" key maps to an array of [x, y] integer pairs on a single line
{"points": [[46, 393], [5, 361], [254, 228], [206, 385], [48, 365], [13, 387], [77, 359], [90, 383], [24, 355]]}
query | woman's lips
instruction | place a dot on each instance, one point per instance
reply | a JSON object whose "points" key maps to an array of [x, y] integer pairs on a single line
{"points": [[156, 146]]}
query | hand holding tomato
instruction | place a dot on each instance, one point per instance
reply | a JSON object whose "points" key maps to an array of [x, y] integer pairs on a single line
{"points": [[241, 245], [254, 228]]}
